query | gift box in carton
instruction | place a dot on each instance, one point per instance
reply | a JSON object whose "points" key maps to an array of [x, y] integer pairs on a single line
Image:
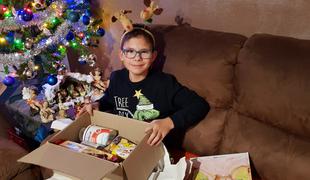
{"points": [[227, 166], [138, 165]]}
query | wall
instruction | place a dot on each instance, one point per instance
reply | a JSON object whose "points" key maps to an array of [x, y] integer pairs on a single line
{"points": [[279, 17], [283, 17]]}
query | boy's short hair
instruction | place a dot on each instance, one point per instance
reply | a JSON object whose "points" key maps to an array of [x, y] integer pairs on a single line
{"points": [[139, 30]]}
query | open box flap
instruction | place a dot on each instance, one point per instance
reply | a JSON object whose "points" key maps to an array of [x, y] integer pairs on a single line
{"points": [[71, 132], [144, 158], [73, 163]]}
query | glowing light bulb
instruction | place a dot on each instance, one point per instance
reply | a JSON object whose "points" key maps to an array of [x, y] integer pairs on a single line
{"points": [[36, 67], [2, 40], [62, 49], [7, 14], [54, 21], [81, 35], [74, 44], [28, 10]]}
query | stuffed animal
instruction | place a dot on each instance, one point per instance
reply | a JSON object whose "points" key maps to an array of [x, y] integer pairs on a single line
{"points": [[150, 10], [123, 19]]}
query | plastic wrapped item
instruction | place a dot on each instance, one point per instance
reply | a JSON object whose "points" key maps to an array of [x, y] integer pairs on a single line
{"points": [[97, 136], [121, 147], [90, 151]]}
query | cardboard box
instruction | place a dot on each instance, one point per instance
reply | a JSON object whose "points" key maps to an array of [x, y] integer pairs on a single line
{"points": [[138, 165]]}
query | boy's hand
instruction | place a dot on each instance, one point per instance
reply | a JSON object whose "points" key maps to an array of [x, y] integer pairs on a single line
{"points": [[160, 128], [88, 108]]}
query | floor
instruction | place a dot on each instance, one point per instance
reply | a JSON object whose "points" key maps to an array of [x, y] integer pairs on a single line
{"points": [[4, 141]]}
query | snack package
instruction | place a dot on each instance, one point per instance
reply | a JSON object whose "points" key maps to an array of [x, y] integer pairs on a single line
{"points": [[96, 136], [90, 151], [121, 147]]}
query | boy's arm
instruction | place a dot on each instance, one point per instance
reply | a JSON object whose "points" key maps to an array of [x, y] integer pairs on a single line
{"points": [[188, 106], [106, 102]]}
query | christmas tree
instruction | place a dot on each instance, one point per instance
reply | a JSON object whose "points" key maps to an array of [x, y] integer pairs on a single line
{"points": [[35, 35], [145, 108]]}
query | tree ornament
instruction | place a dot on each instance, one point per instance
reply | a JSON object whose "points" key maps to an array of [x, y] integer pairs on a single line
{"points": [[82, 59], [30, 74], [62, 68], [8, 80], [91, 60], [73, 16], [10, 37], [70, 1], [28, 43], [100, 32], [29, 70], [27, 15], [52, 79], [86, 41], [85, 19], [70, 36], [39, 4]]}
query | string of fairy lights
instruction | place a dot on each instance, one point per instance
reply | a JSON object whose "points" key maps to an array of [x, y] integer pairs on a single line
{"points": [[45, 28]]}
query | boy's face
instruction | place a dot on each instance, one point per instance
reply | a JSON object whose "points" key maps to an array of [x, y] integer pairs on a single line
{"points": [[137, 56]]}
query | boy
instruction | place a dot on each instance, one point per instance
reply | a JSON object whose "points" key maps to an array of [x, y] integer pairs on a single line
{"points": [[141, 93]]}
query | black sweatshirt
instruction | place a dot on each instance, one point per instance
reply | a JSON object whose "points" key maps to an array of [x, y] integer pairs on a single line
{"points": [[158, 96]]}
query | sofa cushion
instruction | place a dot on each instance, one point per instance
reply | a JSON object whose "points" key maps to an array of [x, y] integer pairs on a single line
{"points": [[276, 154], [202, 60], [205, 137], [272, 82]]}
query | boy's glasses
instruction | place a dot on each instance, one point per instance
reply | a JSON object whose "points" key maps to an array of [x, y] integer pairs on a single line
{"points": [[131, 53]]}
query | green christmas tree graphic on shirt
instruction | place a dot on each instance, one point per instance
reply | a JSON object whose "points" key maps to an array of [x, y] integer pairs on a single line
{"points": [[145, 108]]}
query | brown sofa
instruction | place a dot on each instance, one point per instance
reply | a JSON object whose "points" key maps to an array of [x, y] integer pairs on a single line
{"points": [[259, 92]]}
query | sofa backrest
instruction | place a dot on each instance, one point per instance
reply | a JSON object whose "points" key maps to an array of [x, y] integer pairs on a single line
{"points": [[270, 117], [273, 82], [204, 61]]}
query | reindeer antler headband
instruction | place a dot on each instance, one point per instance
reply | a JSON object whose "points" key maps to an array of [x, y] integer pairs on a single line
{"points": [[142, 29]]}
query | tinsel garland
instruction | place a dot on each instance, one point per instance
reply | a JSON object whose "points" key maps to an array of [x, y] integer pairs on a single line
{"points": [[56, 38]]}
